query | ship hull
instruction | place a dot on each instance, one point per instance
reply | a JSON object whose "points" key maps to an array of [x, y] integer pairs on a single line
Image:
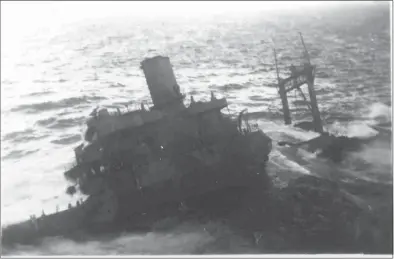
{"points": [[139, 210], [118, 203], [212, 191], [241, 168]]}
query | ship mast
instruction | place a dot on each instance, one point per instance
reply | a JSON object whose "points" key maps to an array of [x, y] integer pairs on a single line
{"points": [[283, 95], [304, 75], [310, 74]]}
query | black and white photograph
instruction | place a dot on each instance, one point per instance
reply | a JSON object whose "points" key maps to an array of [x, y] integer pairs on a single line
{"points": [[148, 128]]}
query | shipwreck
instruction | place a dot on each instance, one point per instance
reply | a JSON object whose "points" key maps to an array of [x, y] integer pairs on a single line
{"points": [[326, 145], [143, 161]]}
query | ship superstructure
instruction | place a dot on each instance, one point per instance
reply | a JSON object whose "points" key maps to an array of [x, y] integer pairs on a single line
{"points": [[168, 152]]}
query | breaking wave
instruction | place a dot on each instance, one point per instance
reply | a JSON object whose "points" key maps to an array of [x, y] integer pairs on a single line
{"points": [[381, 113]]}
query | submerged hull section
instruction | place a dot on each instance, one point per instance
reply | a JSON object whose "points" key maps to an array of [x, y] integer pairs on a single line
{"points": [[119, 209], [118, 203]]}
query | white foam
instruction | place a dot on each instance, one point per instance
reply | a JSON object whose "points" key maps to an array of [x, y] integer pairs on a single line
{"points": [[380, 113]]}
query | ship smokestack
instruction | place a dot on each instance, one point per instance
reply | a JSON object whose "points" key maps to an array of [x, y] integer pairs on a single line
{"points": [[163, 88]]}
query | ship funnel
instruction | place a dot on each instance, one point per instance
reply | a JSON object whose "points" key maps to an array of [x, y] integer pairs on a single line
{"points": [[162, 84]]}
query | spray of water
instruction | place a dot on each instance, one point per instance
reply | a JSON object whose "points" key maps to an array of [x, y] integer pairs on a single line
{"points": [[380, 112]]}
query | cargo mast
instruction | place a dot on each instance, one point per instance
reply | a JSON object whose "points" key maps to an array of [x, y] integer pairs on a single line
{"points": [[304, 74]]}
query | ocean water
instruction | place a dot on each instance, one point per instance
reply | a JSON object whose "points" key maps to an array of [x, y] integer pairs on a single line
{"points": [[52, 80]]}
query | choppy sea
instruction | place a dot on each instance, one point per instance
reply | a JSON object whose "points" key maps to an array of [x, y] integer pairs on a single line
{"points": [[51, 81]]}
